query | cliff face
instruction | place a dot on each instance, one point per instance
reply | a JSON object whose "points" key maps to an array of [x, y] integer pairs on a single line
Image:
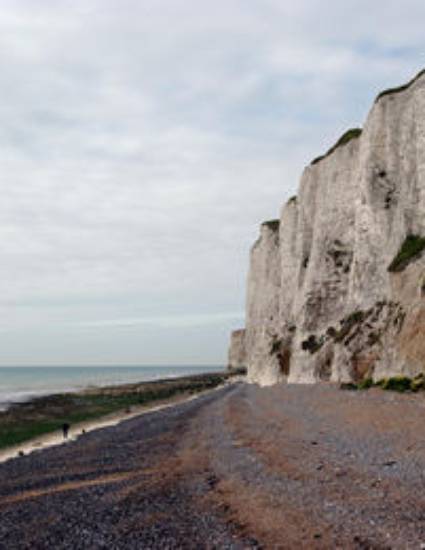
{"points": [[262, 308], [322, 302], [237, 349]]}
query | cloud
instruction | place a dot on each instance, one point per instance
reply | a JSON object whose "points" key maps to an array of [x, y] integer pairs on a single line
{"points": [[176, 321], [142, 143]]}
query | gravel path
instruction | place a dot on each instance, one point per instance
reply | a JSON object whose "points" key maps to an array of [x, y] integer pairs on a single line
{"points": [[240, 467]]}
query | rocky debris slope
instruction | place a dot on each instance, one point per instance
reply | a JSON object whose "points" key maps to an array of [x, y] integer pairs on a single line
{"points": [[336, 286]]}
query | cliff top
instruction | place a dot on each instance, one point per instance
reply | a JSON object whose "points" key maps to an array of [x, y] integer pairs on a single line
{"points": [[352, 133], [401, 88], [272, 224]]}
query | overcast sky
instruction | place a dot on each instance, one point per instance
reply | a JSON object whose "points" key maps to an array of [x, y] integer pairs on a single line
{"points": [[142, 143]]}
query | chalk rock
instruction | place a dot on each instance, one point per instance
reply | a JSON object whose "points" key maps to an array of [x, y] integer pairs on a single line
{"points": [[237, 350], [322, 303]]}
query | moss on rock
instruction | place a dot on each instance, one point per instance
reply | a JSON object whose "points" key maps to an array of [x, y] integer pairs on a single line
{"points": [[401, 88], [411, 248], [352, 133], [272, 224]]}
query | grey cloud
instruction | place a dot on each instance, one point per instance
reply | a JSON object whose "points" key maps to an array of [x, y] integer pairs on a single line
{"points": [[141, 144], [181, 320]]}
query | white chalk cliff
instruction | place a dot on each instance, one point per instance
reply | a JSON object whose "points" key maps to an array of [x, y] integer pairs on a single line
{"points": [[336, 286]]}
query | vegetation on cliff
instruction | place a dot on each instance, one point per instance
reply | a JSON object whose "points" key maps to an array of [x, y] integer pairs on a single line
{"points": [[401, 88], [272, 224], [352, 133], [312, 343], [412, 246], [394, 383]]}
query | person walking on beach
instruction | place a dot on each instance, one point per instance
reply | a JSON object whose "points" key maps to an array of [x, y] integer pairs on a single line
{"points": [[65, 430]]}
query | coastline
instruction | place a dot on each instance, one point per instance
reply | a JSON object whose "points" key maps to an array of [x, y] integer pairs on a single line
{"points": [[55, 438], [23, 384], [239, 467], [36, 424]]}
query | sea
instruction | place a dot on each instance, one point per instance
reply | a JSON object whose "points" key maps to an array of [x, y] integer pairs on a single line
{"points": [[19, 384]]}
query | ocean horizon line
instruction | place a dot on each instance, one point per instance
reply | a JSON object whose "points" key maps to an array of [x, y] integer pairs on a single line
{"points": [[120, 365]]}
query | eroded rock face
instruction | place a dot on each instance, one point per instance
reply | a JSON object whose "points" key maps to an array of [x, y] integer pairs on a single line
{"points": [[321, 302], [237, 350], [262, 308]]}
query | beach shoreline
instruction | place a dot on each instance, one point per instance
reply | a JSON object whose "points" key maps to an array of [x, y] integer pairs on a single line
{"points": [[55, 438], [36, 424], [22, 384], [241, 467]]}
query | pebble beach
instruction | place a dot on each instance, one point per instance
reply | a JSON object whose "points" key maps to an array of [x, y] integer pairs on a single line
{"points": [[238, 467]]}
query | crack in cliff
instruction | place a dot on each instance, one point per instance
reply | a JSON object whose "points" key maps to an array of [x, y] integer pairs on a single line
{"points": [[338, 266]]}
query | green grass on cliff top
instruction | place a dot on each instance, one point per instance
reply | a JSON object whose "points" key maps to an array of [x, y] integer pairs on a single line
{"points": [[272, 224], [401, 88], [352, 133]]}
